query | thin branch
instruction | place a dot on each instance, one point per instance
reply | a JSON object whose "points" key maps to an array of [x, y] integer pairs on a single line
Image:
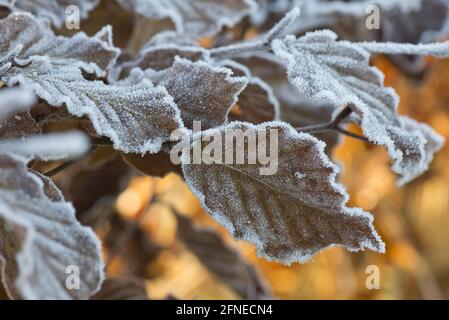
{"points": [[262, 44], [334, 125], [101, 141], [352, 135], [67, 164]]}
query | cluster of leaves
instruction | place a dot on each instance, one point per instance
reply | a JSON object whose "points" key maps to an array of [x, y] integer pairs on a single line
{"points": [[306, 84]]}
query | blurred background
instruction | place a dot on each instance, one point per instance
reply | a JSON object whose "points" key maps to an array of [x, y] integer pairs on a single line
{"points": [[150, 241]]}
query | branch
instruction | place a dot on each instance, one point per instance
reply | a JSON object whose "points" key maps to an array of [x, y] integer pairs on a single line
{"points": [[67, 164], [263, 44], [334, 125]]}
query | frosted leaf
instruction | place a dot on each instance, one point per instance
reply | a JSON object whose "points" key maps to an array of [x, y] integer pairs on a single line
{"points": [[22, 36], [40, 238], [201, 91], [15, 100], [137, 118], [55, 10], [221, 260], [257, 103], [327, 71], [126, 288], [158, 57], [196, 18], [293, 109], [289, 219], [55, 146]]}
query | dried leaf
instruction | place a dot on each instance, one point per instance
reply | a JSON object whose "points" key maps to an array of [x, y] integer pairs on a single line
{"points": [[291, 215], [196, 18], [327, 71], [222, 261], [40, 238]]}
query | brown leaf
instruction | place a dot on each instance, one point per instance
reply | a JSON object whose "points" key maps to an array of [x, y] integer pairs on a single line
{"points": [[291, 215]]}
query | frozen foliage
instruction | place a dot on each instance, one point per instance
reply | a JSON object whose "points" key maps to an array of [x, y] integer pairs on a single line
{"points": [[55, 10], [136, 118], [202, 92], [40, 238], [289, 217], [133, 99], [325, 70], [221, 260], [196, 18], [23, 37]]}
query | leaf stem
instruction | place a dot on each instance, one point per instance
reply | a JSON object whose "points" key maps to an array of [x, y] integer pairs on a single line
{"points": [[67, 164], [334, 125], [261, 44]]}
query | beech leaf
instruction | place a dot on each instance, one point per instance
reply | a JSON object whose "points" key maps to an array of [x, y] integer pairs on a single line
{"points": [[327, 71], [137, 118], [22, 37], [201, 91], [291, 215], [40, 238]]}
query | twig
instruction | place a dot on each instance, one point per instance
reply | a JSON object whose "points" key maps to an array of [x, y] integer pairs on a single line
{"points": [[334, 125], [67, 164], [101, 142], [262, 44]]}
